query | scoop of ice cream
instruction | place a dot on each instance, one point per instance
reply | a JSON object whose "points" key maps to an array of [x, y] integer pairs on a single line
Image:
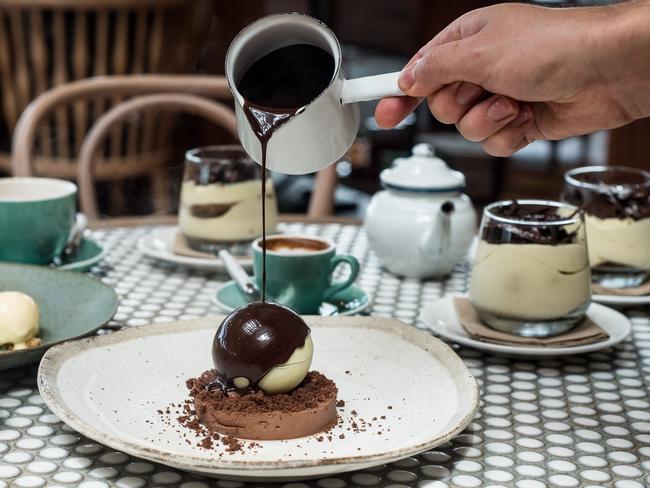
{"points": [[19, 318], [264, 345]]}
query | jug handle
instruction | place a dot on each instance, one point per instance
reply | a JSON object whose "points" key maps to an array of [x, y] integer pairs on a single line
{"points": [[371, 88]]}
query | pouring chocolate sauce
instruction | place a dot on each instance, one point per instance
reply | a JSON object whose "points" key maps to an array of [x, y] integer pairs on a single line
{"points": [[255, 338], [309, 73], [275, 88]]}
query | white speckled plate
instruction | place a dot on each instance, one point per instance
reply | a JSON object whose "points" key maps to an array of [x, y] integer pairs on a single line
{"points": [[440, 316], [107, 387], [159, 244]]}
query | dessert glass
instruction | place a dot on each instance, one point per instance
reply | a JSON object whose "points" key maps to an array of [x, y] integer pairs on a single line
{"points": [[531, 273], [221, 199], [616, 203]]}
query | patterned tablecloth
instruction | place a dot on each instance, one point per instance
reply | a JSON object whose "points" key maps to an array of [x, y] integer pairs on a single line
{"points": [[577, 421]]}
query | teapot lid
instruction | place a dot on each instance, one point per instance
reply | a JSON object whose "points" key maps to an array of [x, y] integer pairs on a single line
{"points": [[422, 172]]}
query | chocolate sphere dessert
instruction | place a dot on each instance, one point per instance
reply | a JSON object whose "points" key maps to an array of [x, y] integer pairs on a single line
{"points": [[261, 386], [262, 345]]}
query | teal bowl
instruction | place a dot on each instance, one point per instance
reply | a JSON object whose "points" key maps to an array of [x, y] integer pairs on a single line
{"points": [[71, 305]]}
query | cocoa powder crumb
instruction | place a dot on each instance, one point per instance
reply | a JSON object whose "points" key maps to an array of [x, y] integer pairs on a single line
{"points": [[205, 443], [232, 443], [315, 389]]}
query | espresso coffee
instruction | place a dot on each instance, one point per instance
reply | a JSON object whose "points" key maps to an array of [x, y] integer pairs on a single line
{"points": [[294, 245], [274, 88]]}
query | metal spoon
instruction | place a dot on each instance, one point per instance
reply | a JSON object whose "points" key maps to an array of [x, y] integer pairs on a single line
{"points": [[74, 241], [243, 281]]}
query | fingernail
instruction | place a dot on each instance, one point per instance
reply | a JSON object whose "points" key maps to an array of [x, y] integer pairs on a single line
{"points": [[407, 78], [500, 109], [468, 93], [525, 114]]}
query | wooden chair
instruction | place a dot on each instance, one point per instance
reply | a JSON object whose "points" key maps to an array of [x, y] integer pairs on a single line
{"points": [[184, 93], [46, 43], [213, 111]]}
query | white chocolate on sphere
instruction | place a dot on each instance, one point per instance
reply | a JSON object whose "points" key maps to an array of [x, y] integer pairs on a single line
{"points": [[287, 376]]}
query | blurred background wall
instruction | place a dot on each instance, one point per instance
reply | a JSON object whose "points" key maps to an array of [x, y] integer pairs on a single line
{"points": [[44, 44]]}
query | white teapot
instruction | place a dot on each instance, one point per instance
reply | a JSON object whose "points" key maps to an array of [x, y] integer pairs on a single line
{"points": [[422, 225]]}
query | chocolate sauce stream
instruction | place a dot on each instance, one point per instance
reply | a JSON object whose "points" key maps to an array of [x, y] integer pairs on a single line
{"points": [[259, 336], [265, 121]]}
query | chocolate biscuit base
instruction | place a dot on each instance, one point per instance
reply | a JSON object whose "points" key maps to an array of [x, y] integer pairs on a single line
{"points": [[308, 409]]}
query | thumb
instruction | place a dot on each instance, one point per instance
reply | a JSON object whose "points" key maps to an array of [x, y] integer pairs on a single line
{"points": [[461, 60]]}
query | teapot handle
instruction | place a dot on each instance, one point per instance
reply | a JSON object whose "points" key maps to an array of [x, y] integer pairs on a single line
{"points": [[371, 88]]}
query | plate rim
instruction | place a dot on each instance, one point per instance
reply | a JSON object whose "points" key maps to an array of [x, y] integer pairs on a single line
{"points": [[539, 351], [347, 313], [621, 300], [77, 265], [55, 357], [166, 256], [44, 347]]}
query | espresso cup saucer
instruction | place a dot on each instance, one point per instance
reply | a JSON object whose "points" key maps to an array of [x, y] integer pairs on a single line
{"points": [[159, 244], [350, 301], [88, 254], [440, 317]]}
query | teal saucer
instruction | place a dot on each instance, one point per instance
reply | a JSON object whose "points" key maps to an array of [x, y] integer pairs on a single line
{"points": [[88, 254], [350, 301], [71, 305]]}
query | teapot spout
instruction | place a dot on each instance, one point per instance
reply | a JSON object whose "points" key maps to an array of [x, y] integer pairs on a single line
{"points": [[436, 242]]}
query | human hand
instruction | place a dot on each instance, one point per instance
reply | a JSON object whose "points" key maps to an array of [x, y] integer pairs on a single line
{"points": [[511, 73]]}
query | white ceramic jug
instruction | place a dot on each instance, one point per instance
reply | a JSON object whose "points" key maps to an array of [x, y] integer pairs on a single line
{"points": [[422, 225], [322, 131]]}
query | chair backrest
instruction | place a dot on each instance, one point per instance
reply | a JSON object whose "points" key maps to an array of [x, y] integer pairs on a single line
{"points": [[36, 113], [214, 111], [321, 203], [45, 43]]}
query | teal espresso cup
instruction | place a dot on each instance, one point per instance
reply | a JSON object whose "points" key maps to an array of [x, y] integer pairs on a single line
{"points": [[300, 269], [36, 216]]}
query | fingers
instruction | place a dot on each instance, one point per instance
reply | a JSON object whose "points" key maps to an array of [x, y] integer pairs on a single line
{"points": [[501, 124], [391, 111], [514, 136], [462, 60], [451, 103], [487, 117]]}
